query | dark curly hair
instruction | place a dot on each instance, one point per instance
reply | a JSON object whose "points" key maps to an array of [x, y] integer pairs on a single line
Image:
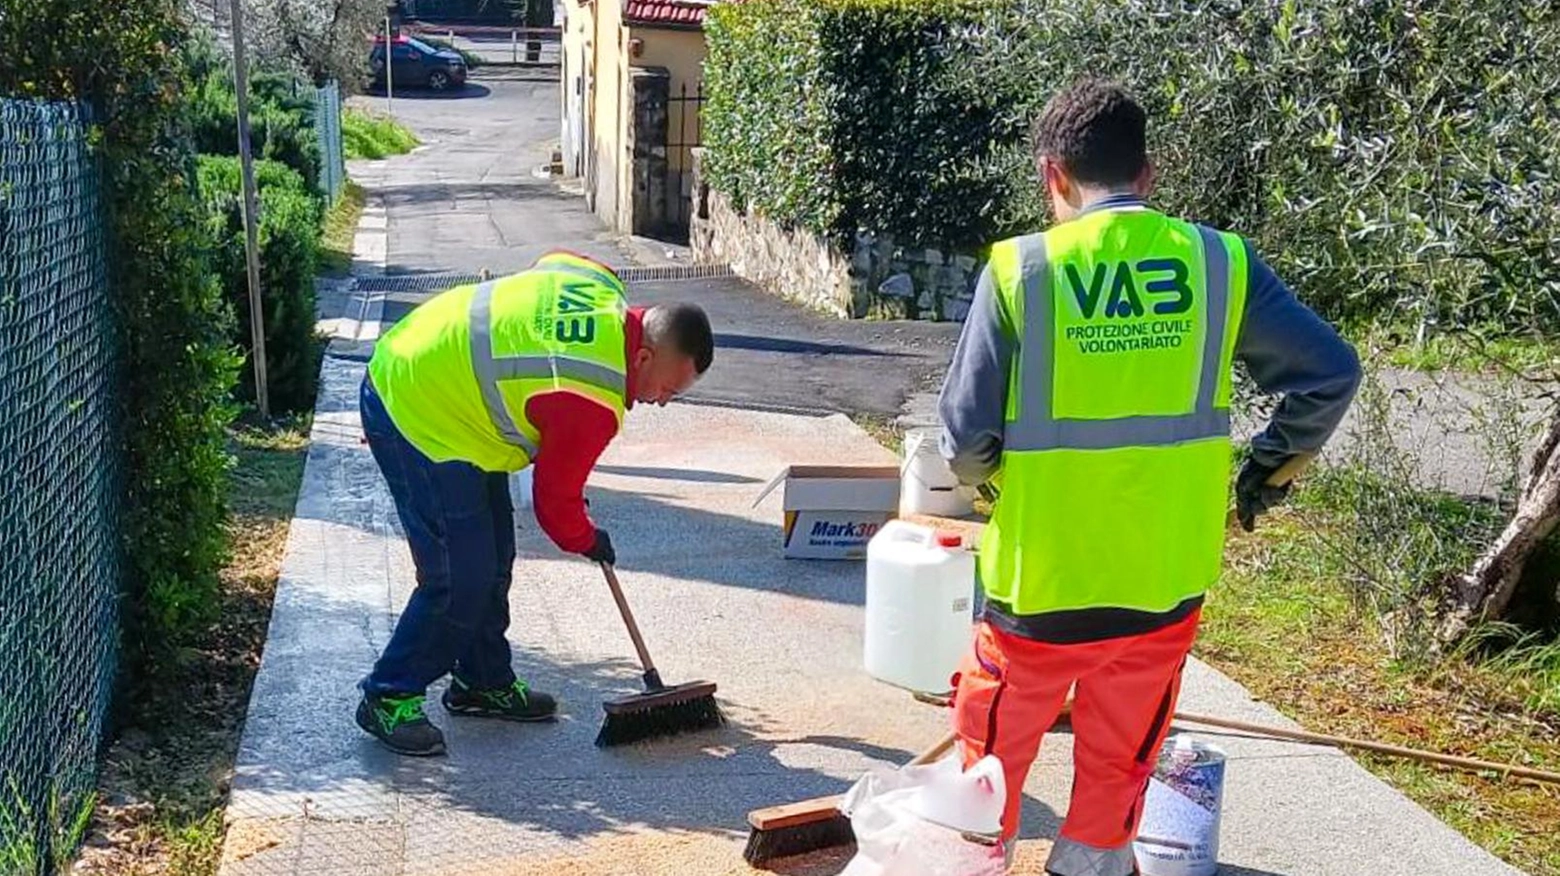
{"points": [[1096, 130]]}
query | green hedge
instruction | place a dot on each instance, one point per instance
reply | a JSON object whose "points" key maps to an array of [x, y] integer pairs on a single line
{"points": [[289, 236], [281, 116], [1395, 160], [176, 365]]}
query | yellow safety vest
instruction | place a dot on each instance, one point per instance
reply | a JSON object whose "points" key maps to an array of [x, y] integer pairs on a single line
{"points": [[1116, 455], [456, 373]]}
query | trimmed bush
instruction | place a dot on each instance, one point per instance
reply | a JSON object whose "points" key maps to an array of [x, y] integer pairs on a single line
{"points": [[1394, 160], [176, 366], [289, 235], [281, 117]]}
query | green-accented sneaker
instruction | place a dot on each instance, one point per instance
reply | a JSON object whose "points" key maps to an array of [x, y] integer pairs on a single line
{"points": [[400, 724], [514, 703]]}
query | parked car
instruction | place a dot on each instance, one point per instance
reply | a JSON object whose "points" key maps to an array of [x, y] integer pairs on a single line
{"points": [[415, 64]]}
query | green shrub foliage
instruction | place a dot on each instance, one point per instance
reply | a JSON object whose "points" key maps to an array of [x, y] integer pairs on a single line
{"points": [[289, 234], [1395, 159], [176, 365]]}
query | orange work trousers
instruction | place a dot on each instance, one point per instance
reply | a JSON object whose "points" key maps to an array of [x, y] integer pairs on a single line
{"points": [[1010, 690]]}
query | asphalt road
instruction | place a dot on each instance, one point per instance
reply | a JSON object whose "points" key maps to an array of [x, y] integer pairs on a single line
{"points": [[467, 200]]}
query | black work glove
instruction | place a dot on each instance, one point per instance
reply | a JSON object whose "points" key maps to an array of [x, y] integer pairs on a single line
{"points": [[1253, 494], [601, 551]]}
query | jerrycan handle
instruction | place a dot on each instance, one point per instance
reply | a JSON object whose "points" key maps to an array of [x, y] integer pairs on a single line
{"points": [[903, 530]]}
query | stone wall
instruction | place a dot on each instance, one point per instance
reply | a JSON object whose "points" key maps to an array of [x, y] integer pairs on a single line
{"points": [[875, 278]]}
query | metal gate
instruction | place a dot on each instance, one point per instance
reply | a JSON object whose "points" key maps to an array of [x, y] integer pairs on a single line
{"points": [[684, 133]]}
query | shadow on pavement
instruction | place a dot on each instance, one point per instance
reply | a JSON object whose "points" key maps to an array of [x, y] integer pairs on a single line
{"points": [[541, 72], [434, 192], [471, 91], [788, 345], [540, 782], [678, 474]]}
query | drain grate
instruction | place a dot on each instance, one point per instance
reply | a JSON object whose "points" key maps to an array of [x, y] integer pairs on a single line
{"points": [[675, 272], [440, 282]]}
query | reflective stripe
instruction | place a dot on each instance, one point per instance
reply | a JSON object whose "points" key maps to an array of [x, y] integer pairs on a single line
{"points": [[553, 367], [486, 370], [1216, 280], [1145, 431], [490, 369], [1037, 429], [1036, 356], [1072, 858], [580, 271]]}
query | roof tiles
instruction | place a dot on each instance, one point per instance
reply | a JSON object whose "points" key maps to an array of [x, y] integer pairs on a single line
{"points": [[685, 13]]}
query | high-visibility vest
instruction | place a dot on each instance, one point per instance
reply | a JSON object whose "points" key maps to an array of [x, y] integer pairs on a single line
{"points": [[1115, 470], [455, 374]]}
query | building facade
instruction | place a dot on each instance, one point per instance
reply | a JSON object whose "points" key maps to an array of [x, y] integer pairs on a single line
{"points": [[631, 90]]}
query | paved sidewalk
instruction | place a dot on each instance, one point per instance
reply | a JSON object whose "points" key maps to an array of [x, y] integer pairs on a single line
{"points": [[782, 638], [313, 795]]}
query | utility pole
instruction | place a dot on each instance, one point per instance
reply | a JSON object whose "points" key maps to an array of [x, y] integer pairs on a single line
{"points": [[251, 229], [389, 63]]}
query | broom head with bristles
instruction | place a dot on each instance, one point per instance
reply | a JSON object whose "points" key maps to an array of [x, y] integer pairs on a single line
{"points": [[796, 829], [666, 711]]}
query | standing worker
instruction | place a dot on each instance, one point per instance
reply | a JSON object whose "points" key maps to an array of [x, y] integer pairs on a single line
{"points": [[478, 382], [1091, 386]]}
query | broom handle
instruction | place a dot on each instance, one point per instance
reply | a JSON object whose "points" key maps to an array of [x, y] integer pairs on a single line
{"points": [[936, 751], [1282, 475], [1417, 754], [1466, 763], [652, 677]]}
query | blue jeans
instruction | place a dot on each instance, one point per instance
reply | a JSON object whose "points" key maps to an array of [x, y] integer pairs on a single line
{"points": [[460, 526]]}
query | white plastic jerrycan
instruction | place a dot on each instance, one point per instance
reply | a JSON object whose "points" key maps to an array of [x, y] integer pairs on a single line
{"points": [[919, 616]]}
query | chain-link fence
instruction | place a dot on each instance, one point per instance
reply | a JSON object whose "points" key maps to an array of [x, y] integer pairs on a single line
{"points": [[59, 566], [327, 124]]}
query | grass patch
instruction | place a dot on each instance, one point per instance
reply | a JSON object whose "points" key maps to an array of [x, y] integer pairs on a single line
{"points": [[884, 430], [1282, 624], [1470, 351], [336, 243], [374, 136], [165, 780]]}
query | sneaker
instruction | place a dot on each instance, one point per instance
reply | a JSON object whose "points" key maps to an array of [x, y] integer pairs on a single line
{"points": [[514, 703], [400, 724]]}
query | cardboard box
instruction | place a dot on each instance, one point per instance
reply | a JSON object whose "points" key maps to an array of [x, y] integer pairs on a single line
{"points": [[832, 511]]}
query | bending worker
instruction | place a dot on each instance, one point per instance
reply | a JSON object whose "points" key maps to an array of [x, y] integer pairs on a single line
{"points": [[1091, 386], [477, 382]]}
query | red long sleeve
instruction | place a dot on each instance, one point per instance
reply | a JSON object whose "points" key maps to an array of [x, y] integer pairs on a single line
{"points": [[574, 430]]}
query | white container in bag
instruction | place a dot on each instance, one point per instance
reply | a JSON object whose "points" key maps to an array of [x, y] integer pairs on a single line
{"points": [[932, 820], [928, 485], [919, 615]]}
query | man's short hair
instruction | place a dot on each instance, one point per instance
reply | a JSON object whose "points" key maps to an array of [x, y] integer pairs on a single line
{"points": [[1096, 130], [685, 328]]}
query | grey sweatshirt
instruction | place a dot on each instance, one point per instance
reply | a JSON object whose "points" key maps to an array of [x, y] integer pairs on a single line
{"points": [[1286, 347]]}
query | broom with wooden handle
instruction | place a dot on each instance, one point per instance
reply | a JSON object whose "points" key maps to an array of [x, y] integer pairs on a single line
{"points": [[811, 825], [662, 710], [794, 828]]}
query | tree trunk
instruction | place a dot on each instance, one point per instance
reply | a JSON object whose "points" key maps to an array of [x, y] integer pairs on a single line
{"points": [[1485, 593]]}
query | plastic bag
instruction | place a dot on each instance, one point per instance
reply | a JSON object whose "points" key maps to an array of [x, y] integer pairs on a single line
{"points": [[933, 820]]}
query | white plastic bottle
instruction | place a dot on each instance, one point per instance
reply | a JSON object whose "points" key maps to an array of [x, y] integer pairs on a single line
{"points": [[919, 613]]}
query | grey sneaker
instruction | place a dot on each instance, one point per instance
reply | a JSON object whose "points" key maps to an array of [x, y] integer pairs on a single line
{"points": [[514, 703]]}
